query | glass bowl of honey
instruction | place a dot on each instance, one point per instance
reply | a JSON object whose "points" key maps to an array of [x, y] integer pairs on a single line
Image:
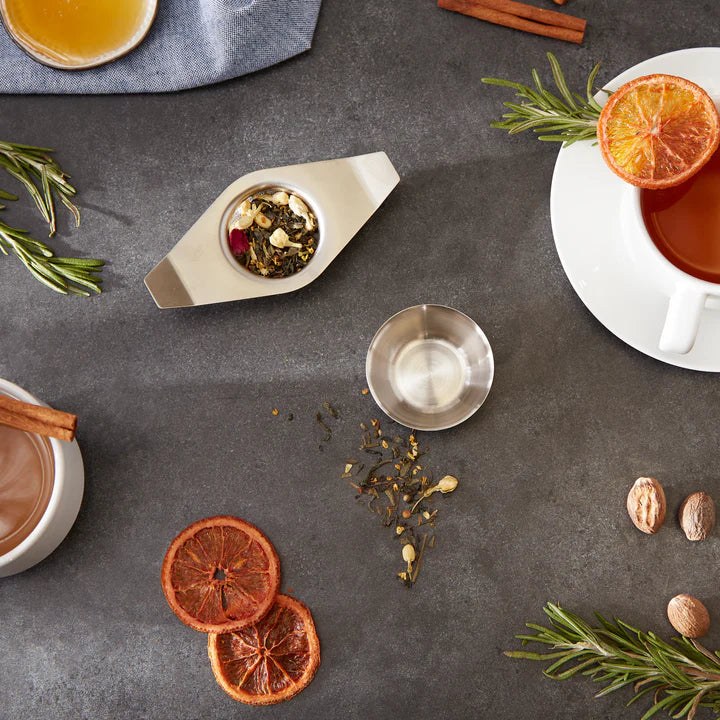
{"points": [[80, 34], [41, 487]]}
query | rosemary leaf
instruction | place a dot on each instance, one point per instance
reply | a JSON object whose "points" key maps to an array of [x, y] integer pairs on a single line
{"points": [[680, 677], [570, 116], [45, 181], [63, 275]]}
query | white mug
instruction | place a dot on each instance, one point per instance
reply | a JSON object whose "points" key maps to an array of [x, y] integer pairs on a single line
{"points": [[63, 505], [687, 294]]}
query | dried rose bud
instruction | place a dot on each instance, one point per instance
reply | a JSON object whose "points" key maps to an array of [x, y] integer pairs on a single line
{"points": [[238, 242]]}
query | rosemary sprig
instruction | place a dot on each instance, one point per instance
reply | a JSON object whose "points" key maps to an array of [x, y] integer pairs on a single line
{"points": [[41, 176], [44, 180], [681, 677], [64, 275], [567, 117]]}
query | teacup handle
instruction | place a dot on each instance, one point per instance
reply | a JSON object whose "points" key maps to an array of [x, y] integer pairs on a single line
{"points": [[682, 320]]}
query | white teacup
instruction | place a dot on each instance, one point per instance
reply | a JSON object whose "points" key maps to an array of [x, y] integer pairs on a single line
{"points": [[63, 505], [688, 295]]}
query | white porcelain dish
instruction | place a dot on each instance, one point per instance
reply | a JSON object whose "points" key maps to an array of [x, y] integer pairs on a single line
{"points": [[595, 249]]}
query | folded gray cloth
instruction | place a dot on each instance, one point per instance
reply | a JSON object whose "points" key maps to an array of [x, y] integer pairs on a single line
{"points": [[191, 43]]}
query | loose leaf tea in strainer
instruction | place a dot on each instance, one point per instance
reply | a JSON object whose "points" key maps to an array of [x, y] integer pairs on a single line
{"points": [[273, 233]]}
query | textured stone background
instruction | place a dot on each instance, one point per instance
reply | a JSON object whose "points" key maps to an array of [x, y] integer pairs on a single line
{"points": [[174, 406]]}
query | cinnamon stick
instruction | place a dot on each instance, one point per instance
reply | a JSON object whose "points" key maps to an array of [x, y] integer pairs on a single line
{"points": [[548, 17], [502, 12], [37, 418]]}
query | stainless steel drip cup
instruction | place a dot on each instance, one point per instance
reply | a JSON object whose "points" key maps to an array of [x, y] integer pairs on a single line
{"points": [[429, 367]]}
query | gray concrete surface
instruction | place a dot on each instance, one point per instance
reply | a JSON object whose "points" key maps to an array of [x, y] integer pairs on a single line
{"points": [[175, 406]]}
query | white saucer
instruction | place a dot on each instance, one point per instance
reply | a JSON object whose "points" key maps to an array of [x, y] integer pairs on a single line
{"points": [[585, 203]]}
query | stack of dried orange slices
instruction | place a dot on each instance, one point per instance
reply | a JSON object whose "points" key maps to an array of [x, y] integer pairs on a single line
{"points": [[221, 576]]}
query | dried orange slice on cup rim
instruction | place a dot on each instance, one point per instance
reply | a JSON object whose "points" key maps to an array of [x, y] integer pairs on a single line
{"points": [[658, 130], [271, 661], [220, 574]]}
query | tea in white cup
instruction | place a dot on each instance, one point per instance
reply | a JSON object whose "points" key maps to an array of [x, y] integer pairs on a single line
{"points": [[41, 488], [26, 481], [675, 236]]}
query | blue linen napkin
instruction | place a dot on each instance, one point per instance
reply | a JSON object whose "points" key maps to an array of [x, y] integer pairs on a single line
{"points": [[191, 43]]}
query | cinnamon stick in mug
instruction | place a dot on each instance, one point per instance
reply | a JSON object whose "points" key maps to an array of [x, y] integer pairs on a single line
{"points": [[37, 418]]}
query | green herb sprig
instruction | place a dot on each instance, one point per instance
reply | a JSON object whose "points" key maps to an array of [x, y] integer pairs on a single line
{"points": [[64, 275], [45, 181], [31, 165], [680, 677], [567, 117]]}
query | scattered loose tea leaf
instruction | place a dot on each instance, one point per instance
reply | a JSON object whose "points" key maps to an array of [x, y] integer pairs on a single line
{"points": [[331, 409], [322, 424], [419, 558], [399, 493]]}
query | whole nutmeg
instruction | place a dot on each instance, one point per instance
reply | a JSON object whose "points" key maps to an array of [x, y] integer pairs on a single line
{"points": [[646, 505], [697, 516], [688, 616]]}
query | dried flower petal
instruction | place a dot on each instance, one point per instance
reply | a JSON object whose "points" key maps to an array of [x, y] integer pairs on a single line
{"points": [[280, 239], [408, 553], [238, 242], [447, 484], [263, 220], [297, 205]]}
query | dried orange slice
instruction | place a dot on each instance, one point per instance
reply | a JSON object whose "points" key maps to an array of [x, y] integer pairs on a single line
{"points": [[220, 574], [271, 661], [658, 130]]}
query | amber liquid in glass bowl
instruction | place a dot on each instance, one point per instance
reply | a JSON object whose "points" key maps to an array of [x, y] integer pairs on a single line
{"points": [[26, 483], [75, 31], [684, 222]]}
